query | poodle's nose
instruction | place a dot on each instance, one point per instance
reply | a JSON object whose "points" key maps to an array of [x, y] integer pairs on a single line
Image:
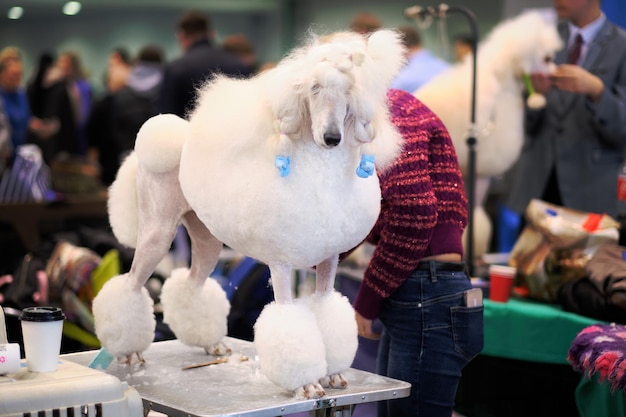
{"points": [[332, 139]]}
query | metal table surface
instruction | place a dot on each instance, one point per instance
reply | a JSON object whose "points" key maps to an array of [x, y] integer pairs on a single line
{"points": [[236, 388]]}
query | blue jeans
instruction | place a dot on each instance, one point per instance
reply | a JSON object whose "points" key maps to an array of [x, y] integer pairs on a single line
{"points": [[429, 335]]}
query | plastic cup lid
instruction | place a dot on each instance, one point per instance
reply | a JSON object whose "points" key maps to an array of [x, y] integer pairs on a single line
{"points": [[42, 314]]}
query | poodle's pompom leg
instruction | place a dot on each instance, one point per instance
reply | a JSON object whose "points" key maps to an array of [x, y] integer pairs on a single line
{"points": [[124, 319], [335, 319], [161, 206], [195, 306], [195, 310], [290, 348], [122, 309]]}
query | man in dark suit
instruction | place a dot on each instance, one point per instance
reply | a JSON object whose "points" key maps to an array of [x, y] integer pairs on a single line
{"points": [[200, 61], [575, 145]]}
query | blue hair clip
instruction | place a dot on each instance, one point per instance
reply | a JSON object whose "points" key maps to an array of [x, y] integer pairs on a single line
{"points": [[283, 164], [366, 167]]}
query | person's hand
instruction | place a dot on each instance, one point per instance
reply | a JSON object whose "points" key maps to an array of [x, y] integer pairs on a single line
{"points": [[541, 82], [577, 80], [364, 327]]}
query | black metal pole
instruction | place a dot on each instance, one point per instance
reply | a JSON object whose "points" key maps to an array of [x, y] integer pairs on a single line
{"points": [[440, 11]]}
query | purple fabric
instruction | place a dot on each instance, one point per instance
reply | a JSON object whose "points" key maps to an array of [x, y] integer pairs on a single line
{"points": [[601, 348]]}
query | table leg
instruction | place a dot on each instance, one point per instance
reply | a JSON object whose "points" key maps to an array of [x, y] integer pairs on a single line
{"points": [[340, 411]]}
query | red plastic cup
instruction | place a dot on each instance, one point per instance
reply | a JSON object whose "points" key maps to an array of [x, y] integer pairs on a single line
{"points": [[501, 279]]}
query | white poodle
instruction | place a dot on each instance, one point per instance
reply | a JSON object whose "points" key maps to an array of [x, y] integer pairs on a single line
{"points": [[513, 49], [279, 167]]}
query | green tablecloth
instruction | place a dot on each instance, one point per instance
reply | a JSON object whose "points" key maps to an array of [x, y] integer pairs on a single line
{"points": [[538, 332], [530, 331]]}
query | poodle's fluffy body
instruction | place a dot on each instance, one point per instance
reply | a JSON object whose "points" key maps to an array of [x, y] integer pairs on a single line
{"points": [[306, 231], [521, 45], [321, 109]]}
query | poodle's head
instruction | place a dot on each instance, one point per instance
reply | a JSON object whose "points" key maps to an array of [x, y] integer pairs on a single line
{"points": [[522, 45], [332, 88]]}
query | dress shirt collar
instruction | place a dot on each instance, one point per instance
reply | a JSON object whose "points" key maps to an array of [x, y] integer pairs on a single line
{"points": [[588, 32]]}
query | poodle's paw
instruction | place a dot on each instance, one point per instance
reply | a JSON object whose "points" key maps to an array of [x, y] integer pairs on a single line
{"points": [[124, 317], [289, 345], [196, 315], [128, 359], [334, 381], [218, 349], [310, 392]]}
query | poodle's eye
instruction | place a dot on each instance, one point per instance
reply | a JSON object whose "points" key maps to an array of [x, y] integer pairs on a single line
{"points": [[316, 89], [547, 59]]}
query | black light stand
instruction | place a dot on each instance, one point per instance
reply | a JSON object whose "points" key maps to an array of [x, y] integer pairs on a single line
{"points": [[418, 14]]}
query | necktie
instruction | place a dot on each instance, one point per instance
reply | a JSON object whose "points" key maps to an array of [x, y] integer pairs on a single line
{"points": [[574, 52]]}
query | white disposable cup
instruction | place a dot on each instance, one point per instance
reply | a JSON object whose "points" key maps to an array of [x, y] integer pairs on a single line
{"points": [[42, 328]]}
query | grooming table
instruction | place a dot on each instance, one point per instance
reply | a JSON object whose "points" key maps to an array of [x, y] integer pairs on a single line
{"points": [[236, 388]]}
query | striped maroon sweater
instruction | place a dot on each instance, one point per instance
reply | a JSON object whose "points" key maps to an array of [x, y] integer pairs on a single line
{"points": [[424, 208]]}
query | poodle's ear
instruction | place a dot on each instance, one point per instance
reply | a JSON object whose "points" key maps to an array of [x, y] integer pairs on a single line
{"points": [[285, 98], [384, 58], [388, 142]]}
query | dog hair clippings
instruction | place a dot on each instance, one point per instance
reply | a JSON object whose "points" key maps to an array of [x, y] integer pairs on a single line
{"points": [[535, 100]]}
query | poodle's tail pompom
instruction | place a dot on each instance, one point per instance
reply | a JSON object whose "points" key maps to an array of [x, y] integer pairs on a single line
{"points": [[123, 204], [159, 142], [385, 57]]}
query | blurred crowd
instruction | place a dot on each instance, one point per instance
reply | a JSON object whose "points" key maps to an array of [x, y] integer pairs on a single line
{"points": [[57, 108]]}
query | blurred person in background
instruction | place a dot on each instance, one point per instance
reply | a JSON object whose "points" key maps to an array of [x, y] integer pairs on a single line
{"points": [[201, 60], [422, 65], [365, 23], [15, 101], [67, 97], [5, 139], [240, 46], [462, 46], [575, 144], [118, 66], [117, 117], [35, 87], [16, 108]]}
